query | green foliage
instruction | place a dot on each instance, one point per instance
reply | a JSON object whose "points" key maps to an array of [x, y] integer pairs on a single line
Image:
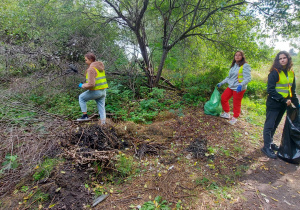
{"points": [[45, 168], [156, 204], [124, 168], [226, 152], [256, 110], [39, 197], [124, 164], [119, 101], [206, 183], [64, 104], [24, 189], [199, 87], [16, 116], [10, 162], [256, 89]]}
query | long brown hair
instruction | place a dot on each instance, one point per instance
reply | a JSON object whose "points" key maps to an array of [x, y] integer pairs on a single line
{"points": [[242, 62], [90, 56], [278, 66]]}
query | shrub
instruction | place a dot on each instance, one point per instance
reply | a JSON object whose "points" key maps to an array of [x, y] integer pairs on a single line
{"points": [[256, 89]]}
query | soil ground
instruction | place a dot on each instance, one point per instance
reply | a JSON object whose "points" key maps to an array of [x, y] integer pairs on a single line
{"points": [[271, 184], [228, 172]]}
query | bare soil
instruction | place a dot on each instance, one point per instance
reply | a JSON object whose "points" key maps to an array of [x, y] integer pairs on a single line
{"points": [[199, 160]]}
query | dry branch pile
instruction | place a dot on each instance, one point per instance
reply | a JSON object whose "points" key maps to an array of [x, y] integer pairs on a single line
{"points": [[198, 148], [92, 142], [96, 137], [151, 149]]}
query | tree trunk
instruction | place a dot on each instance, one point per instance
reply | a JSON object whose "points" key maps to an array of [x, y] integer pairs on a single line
{"points": [[148, 67], [160, 67]]}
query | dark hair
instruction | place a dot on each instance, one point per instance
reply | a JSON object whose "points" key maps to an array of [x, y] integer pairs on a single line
{"points": [[242, 62], [90, 56], [278, 66]]}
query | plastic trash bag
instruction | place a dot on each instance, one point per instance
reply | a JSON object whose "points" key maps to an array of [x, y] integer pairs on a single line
{"points": [[213, 106], [289, 149]]}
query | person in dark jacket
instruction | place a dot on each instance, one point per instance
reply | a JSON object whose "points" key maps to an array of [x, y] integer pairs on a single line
{"points": [[281, 94]]}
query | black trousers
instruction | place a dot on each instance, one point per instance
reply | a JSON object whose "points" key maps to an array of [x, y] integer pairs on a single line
{"points": [[273, 119]]}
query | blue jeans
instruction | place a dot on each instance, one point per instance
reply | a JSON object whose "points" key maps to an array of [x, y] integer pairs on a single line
{"points": [[98, 96]]}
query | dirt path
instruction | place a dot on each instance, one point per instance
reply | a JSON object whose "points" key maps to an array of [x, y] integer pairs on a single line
{"points": [[270, 184]]}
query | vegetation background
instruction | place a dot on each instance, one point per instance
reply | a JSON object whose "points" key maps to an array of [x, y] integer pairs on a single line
{"points": [[161, 58]]}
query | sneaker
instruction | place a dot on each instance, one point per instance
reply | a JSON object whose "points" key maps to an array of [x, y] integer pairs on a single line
{"points": [[232, 121], [83, 118], [274, 147], [225, 115], [269, 152]]}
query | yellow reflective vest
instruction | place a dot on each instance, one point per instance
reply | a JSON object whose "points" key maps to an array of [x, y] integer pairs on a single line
{"points": [[240, 75], [100, 82], [284, 84]]}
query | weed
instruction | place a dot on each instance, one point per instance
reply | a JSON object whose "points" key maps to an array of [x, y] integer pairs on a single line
{"points": [[226, 152], [124, 164], [238, 149], [9, 163], [156, 204], [236, 134], [213, 186], [40, 196], [203, 181], [24, 189], [212, 150], [44, 169], [240, 170]]}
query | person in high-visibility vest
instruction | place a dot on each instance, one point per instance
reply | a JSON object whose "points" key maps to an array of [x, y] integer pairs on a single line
{"points": [[281, 93], [96, 85], [238, 78]]}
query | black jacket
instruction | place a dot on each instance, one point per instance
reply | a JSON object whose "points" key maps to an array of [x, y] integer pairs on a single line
{"points": [[276, 101]]}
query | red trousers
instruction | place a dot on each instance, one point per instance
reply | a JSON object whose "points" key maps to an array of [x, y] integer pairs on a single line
{"points": [[237, 101]]}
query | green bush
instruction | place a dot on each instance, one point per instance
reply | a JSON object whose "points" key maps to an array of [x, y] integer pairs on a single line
{"points": [[198, 88], [256, 89]]}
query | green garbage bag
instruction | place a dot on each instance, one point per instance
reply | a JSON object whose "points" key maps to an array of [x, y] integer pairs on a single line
{"points": [[213, 106]]}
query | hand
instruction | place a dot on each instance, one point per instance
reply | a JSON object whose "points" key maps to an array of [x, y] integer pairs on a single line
{"points": [[80, 85], [288, 102], [239, 88], [219, 85]]}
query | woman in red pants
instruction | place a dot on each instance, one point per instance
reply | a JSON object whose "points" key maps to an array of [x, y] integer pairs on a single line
{"points": [[237, 80]]}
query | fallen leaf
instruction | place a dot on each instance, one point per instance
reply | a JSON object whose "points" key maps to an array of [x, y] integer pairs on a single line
{"points": [[51, 206], [274, 199], [263, 159]]}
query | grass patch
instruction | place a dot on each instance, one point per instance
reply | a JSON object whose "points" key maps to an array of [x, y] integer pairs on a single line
{"points": [[45, 168]]}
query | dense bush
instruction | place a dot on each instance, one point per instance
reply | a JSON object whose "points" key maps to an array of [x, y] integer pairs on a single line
{"points": [[256, 89]]}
